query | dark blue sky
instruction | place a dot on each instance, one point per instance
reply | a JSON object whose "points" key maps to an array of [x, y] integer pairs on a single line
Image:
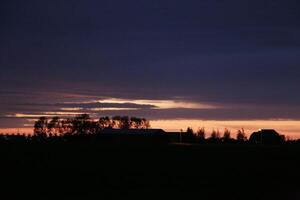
{"points": [[242, 55]]}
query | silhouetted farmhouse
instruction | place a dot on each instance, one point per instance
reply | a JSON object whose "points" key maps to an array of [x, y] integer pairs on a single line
{"points": [[266, 136]]}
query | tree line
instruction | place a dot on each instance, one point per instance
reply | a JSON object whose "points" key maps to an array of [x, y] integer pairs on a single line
{"points": [[215, 136], [84, 124]]}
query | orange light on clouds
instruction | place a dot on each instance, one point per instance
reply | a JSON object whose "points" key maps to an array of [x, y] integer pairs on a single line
{"points": [[22, 115], [64, 113], [71, 109], [112, 109], [45, 114]]}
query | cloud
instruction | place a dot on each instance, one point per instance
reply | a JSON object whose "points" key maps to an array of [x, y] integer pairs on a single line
{"points": [[213, 54]]}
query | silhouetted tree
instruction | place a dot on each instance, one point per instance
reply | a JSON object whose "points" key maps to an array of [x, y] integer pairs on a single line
{"points": [[201, 134], [241, 135], [66, 127], [215, 135], [40, 127], [121, 122], [189, 135], [145, 124], [189, 131], [53, 126], [116, 120], [136, 122], [227, 135], [105, 122], [125, 123], [82, 124]]}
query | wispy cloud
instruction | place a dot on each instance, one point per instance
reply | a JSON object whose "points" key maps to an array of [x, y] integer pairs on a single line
{"points": [[163, 104]]}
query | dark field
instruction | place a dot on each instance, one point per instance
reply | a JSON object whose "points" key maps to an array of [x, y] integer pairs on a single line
{"points": [[99, 171]]}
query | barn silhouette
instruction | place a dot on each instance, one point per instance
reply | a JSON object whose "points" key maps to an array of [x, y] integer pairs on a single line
{"points": [[266, 136]]}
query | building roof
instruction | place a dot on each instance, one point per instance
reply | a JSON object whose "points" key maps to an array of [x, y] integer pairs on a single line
{"points": [[134, 131]]}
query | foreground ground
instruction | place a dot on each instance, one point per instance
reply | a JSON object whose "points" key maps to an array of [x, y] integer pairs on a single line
{"points": [[93, 171]]}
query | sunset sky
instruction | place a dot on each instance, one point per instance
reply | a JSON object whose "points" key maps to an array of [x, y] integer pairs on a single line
{"points": [[210, 63]]}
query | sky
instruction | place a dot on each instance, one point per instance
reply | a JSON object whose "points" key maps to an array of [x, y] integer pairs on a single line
{"points": [[179, 63]]}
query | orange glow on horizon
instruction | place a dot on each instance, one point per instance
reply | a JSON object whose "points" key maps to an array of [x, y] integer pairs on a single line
{"points": [[290, 128], [26, 131]]}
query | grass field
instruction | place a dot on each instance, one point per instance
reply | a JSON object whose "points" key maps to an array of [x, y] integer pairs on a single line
{"points": [[95, 171]]}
